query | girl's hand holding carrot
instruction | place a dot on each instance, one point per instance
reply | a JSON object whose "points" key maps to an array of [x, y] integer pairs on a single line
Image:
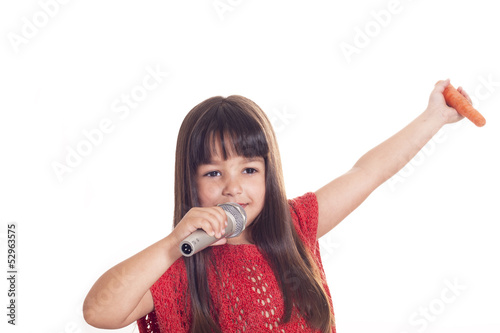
{"points": [[453, 104]]}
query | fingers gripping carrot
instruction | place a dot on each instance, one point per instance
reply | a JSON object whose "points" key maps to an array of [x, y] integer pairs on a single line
{"points": [[457, 101]]}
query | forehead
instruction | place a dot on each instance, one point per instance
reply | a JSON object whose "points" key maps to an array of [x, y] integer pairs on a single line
{"points": [[221, 153], [221, 141], [222, 147]]}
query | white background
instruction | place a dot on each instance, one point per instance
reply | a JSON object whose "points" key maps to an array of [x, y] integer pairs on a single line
{"points": [[434, 224]]}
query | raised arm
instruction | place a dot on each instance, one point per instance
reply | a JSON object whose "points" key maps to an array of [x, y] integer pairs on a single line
{"points": [[341, 196]]}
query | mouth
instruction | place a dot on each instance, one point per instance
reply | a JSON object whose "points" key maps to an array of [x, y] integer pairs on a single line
{"points": [[242, 205]]}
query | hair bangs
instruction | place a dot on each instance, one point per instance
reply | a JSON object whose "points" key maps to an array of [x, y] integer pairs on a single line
{"points": [[228, 130]]}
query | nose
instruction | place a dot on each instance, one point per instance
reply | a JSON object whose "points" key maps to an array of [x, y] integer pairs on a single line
{"points": [[232, 187]]}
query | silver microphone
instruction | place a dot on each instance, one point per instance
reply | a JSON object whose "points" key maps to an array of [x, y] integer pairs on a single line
{"points": [[199, 240]]}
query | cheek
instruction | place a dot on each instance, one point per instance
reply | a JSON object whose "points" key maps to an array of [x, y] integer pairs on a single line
{"points": [[207, 194], [258, 189], [263, 186]]}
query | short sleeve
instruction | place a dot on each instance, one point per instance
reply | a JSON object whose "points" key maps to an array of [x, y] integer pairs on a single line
{"points": [[304, 210]]}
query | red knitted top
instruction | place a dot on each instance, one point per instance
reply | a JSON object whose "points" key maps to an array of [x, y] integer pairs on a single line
{"points": [[244, 289]]}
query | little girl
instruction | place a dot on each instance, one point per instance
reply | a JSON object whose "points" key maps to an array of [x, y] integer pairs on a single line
{"points": [[270, 277]]}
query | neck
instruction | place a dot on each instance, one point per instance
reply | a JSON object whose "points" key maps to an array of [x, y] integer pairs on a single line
{"points": [[241, 239]]}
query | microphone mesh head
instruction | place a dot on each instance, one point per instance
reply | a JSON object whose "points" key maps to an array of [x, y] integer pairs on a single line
{"points": [[239, 215]]}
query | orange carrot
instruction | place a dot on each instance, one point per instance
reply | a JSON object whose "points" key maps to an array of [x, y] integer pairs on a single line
{"points": [[457, 101]]}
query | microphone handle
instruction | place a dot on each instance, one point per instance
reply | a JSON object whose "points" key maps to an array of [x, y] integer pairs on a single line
{"points": [[200, 240]]}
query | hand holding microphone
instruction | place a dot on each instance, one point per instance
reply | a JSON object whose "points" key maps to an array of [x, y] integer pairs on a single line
{"points": [[210, 219]]}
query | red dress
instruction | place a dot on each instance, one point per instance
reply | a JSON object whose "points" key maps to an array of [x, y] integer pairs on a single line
{"points": [[244, 289]]}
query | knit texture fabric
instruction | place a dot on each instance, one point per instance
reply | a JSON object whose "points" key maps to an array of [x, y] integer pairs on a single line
{"points": [[245, 293]]}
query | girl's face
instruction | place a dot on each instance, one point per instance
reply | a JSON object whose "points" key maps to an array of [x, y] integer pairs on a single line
{"points": [[237, 179]]}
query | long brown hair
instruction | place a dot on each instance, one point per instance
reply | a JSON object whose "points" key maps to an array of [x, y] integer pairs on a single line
{"points": [[240, 124]]}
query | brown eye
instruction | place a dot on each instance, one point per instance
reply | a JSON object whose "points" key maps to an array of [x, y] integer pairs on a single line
{"points": [[212, 174], [250, 170]]}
